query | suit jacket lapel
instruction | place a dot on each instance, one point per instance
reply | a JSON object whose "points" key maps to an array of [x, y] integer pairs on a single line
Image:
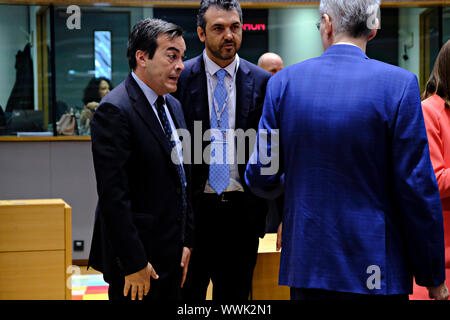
{"points": [[178, 120], [175, 115], [199, 93], [144, 109], [244, 93]]}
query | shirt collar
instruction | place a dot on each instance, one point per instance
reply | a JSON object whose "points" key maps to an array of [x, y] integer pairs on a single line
{"points": [[211, 67], [347, 43], [148, 92]]}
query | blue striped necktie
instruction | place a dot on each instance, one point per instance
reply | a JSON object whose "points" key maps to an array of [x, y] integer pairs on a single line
{"points": [[219, 173]]}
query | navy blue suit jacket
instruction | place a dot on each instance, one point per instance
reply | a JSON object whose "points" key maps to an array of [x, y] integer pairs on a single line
{"points": [[361, 198], [139, 214], [192, 92]]}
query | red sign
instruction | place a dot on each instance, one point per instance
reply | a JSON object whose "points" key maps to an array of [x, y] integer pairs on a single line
{"points": [[254, 27]]}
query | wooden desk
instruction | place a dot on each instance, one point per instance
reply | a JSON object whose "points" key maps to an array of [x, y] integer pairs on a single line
{"points": [[35, 249], [265, 276]]}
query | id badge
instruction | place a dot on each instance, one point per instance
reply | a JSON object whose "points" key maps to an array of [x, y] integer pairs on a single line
{"points": [[219, 136]]}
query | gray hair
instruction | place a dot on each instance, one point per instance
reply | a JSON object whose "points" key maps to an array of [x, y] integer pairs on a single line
{"points": [[356, 18]]}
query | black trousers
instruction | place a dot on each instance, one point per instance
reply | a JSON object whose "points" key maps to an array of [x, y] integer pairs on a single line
{"points": [[225, 251], [326, 295]]}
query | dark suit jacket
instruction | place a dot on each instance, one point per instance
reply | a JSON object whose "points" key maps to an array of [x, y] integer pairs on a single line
{"points": [[192, 92], [139, 214]]}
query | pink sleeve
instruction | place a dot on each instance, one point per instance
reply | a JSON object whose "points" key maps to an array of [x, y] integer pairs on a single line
{"points": [[433, 126]]}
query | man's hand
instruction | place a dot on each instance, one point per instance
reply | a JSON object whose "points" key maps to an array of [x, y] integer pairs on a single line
{"points": [[438, 293], [280, 227], [185, 263], [139, 282]]}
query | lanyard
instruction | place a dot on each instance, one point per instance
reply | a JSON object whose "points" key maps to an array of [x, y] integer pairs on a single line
{"points": [[214, 103], [217, 110]]}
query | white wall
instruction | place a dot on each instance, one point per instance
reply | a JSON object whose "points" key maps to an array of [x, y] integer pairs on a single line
{"points": [[293, 34], [53, 169], [13, 28], [409, 33]]}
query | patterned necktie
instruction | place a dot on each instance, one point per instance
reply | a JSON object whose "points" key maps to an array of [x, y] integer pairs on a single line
{"points": [[168, 133], [219, 173]]}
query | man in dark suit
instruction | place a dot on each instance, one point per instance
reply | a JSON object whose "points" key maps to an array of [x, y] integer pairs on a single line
{"points": [[143, 226], [224, 93], [362, 209]]}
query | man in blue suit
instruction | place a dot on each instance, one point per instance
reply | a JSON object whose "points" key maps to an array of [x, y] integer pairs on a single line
{"points": [[362, 211], [222, 92]]}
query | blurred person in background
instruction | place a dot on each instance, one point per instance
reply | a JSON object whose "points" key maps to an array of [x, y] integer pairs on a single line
{"points": [[271, 62], [94, 92]]}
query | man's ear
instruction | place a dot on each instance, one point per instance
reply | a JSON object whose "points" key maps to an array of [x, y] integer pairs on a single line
{"points": [[328, 26], [141, 57], [201, 34], [372, 34]]}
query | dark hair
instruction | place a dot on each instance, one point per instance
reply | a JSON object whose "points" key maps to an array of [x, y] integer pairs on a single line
{"points": [[439, 82], [91, 90], [144, 37], [220, 4]]}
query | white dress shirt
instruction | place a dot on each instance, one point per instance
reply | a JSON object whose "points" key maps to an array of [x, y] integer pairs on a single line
{"points": [[152, 97], [230, 84]]}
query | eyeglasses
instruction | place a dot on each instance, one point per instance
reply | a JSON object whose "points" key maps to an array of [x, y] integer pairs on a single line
{"points": [[318, 23]]}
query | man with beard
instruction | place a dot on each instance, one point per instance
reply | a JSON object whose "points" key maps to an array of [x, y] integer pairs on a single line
{"points": [[224, 93]]}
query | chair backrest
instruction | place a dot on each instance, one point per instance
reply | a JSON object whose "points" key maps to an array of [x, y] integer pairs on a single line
{"points": [[25, 120]]}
